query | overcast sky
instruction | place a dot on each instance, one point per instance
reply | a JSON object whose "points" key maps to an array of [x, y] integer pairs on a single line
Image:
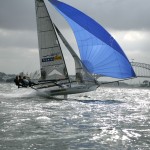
{"points": [[128, 21]]}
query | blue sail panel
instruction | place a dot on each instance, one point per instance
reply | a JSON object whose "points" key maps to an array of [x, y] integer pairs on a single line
{"points": [[99, 51]]}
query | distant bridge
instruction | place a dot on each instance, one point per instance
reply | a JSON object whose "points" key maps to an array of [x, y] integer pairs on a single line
{"points": [[141, 69]]}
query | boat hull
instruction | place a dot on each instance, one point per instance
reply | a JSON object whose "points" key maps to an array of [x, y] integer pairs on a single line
{"points": [[67, 91]]}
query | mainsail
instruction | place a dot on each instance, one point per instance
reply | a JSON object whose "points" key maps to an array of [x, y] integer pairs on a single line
{"points": [[99, 51], [52, 62]]}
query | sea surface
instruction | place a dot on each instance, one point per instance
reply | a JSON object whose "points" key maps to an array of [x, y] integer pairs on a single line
{"points": [[111, 118]]}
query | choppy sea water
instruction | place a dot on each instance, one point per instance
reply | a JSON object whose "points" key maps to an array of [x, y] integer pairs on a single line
{"points": [[107, 119]]}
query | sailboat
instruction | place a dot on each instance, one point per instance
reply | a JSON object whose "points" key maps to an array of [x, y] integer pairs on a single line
{"points": [[100, 54]]}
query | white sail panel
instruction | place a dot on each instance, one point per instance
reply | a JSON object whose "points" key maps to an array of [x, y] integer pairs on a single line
{"points": [[51, 58]]}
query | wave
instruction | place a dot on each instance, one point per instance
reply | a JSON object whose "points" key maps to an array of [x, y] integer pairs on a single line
{"points": [[14, 92]]}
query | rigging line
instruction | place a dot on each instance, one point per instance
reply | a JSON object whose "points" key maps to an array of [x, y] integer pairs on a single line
{"points": [[115, 81], [36, 8], [33, 88]]}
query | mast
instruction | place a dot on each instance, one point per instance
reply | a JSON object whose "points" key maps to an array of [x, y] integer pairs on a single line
{"points": [[52, 62]]}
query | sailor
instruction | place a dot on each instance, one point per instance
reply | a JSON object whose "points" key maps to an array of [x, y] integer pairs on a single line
{"points": [[31, 83], [16, 80], [79, 77], [20, 81], [25, 82]]}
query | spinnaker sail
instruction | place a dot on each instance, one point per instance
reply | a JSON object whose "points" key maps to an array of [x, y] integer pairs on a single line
{"points": [[99, 51]]}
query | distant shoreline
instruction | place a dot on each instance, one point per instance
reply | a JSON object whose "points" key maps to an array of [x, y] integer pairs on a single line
{"points": [[6, 77]]}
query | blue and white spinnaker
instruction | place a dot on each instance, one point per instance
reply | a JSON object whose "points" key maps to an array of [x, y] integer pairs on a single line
{"points": [[99, 51]]}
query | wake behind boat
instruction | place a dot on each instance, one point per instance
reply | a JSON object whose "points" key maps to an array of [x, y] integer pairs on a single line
{"points": [[100, 53]]}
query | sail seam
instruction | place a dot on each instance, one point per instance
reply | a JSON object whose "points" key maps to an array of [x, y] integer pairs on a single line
{"points": [[52, 65], [40, 6], [49, 47], [45, 30], [43, 17]]}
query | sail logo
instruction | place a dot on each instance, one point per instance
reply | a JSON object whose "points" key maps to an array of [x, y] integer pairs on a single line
{"points": [[55, 72], [57, 57], [54, 58]]}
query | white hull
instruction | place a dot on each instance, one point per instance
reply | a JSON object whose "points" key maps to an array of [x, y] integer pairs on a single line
{"points": [[65, 91]]}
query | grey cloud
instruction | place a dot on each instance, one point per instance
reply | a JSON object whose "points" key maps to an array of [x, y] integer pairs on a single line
{"points": [[17, 15], [138, 50], [19, 39], [115, 14], [14, 60]]}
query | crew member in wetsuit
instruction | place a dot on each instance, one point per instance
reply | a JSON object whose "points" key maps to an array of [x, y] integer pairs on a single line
{"points": [[16, 80], [25, 82]]}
